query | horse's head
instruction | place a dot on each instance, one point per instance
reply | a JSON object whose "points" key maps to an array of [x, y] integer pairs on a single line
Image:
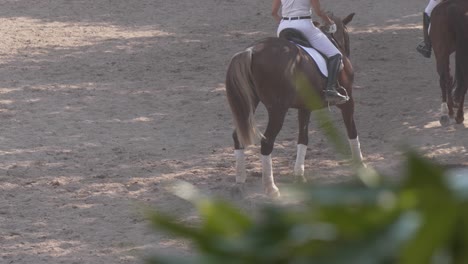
{"points": [[341, 35]]}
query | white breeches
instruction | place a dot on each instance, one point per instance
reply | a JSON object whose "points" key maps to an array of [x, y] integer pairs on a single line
{"points": [[430, 6], [316, 37]]}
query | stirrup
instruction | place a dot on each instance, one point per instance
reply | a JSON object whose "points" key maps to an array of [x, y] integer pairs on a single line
{"points": [[421, 48], [334, 97]]}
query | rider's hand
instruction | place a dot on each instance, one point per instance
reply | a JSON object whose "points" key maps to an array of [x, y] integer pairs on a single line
{"points": [[331, 28]]}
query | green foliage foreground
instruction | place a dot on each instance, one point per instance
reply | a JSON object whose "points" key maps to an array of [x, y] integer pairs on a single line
{"points": [[423, 219]]}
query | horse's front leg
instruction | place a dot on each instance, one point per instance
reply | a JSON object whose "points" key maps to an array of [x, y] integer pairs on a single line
{"points": [[451, 104], [347, 112], [462, 87], [460, 114], [302, 142]]}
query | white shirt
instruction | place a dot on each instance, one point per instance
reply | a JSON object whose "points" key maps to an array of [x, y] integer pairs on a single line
{"points": [[294, 8]]}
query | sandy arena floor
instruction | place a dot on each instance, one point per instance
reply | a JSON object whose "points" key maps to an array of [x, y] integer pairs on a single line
{"points": [[102, 102]]}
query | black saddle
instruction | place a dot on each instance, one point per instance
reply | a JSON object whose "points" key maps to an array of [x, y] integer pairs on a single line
{"points": [[297, 37]]}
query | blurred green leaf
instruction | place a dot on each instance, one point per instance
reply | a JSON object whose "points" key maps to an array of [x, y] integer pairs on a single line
{"points": [[222, 219], [437, 207], [422, 219], [459, 244], [380, 245], [169, 224], [160, 259]]}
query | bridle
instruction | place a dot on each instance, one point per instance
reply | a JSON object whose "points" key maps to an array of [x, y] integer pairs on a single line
{"points": [[337, 43]]}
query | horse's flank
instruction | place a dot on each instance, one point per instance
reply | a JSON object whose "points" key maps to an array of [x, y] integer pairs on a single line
{"points": [[267, 73], [449, 34]]}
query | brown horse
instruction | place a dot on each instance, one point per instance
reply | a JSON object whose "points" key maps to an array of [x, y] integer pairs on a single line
{"points": [[267, 72], [449, 33]]}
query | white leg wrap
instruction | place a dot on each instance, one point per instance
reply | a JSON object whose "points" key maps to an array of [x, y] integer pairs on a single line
{"points": [[355, 150], [300, 158], [241, 173], [444, 109], [267, 177]]}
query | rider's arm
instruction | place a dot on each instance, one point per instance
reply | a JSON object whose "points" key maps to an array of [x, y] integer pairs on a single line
{"points": [[318, 10], [275, 10]]}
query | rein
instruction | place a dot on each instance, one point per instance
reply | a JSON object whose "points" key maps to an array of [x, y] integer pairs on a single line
{"points": [[331, 36]]}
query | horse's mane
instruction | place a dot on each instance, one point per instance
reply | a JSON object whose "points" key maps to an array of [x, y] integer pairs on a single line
{"points": [[332, 16], [340, 23]]}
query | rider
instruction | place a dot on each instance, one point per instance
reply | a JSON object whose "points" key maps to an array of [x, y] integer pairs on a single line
{"points": [[425, 46], [297, 14]]}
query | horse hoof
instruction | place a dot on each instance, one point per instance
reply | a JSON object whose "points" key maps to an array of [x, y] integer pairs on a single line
{"points": [[300, 179], [459, 120], [444, 120], [238, 190], [359, 164], [273, 192]]}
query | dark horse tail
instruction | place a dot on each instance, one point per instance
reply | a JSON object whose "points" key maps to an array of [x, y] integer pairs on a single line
{"points": [[459, 25], [241, 96]]}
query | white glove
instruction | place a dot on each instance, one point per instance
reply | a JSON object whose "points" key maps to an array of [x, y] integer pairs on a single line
{"points": [[331, 29]]}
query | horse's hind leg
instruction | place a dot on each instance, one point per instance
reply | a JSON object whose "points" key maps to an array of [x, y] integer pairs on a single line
{"points": [[347, 112], [241, 173], [445, 81], [460, 114], [302, 142], [462, 76], [275, 122]]}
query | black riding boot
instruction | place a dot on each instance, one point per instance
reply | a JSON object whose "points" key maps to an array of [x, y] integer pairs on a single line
{"points": [[331, 94], [425, 46]]}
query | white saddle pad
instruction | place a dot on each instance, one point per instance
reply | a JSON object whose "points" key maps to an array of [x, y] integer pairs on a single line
{"points": [[318, 58]]}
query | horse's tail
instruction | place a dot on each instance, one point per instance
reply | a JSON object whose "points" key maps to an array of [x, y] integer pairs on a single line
{"points": [[459, 24], [241, 96]]}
